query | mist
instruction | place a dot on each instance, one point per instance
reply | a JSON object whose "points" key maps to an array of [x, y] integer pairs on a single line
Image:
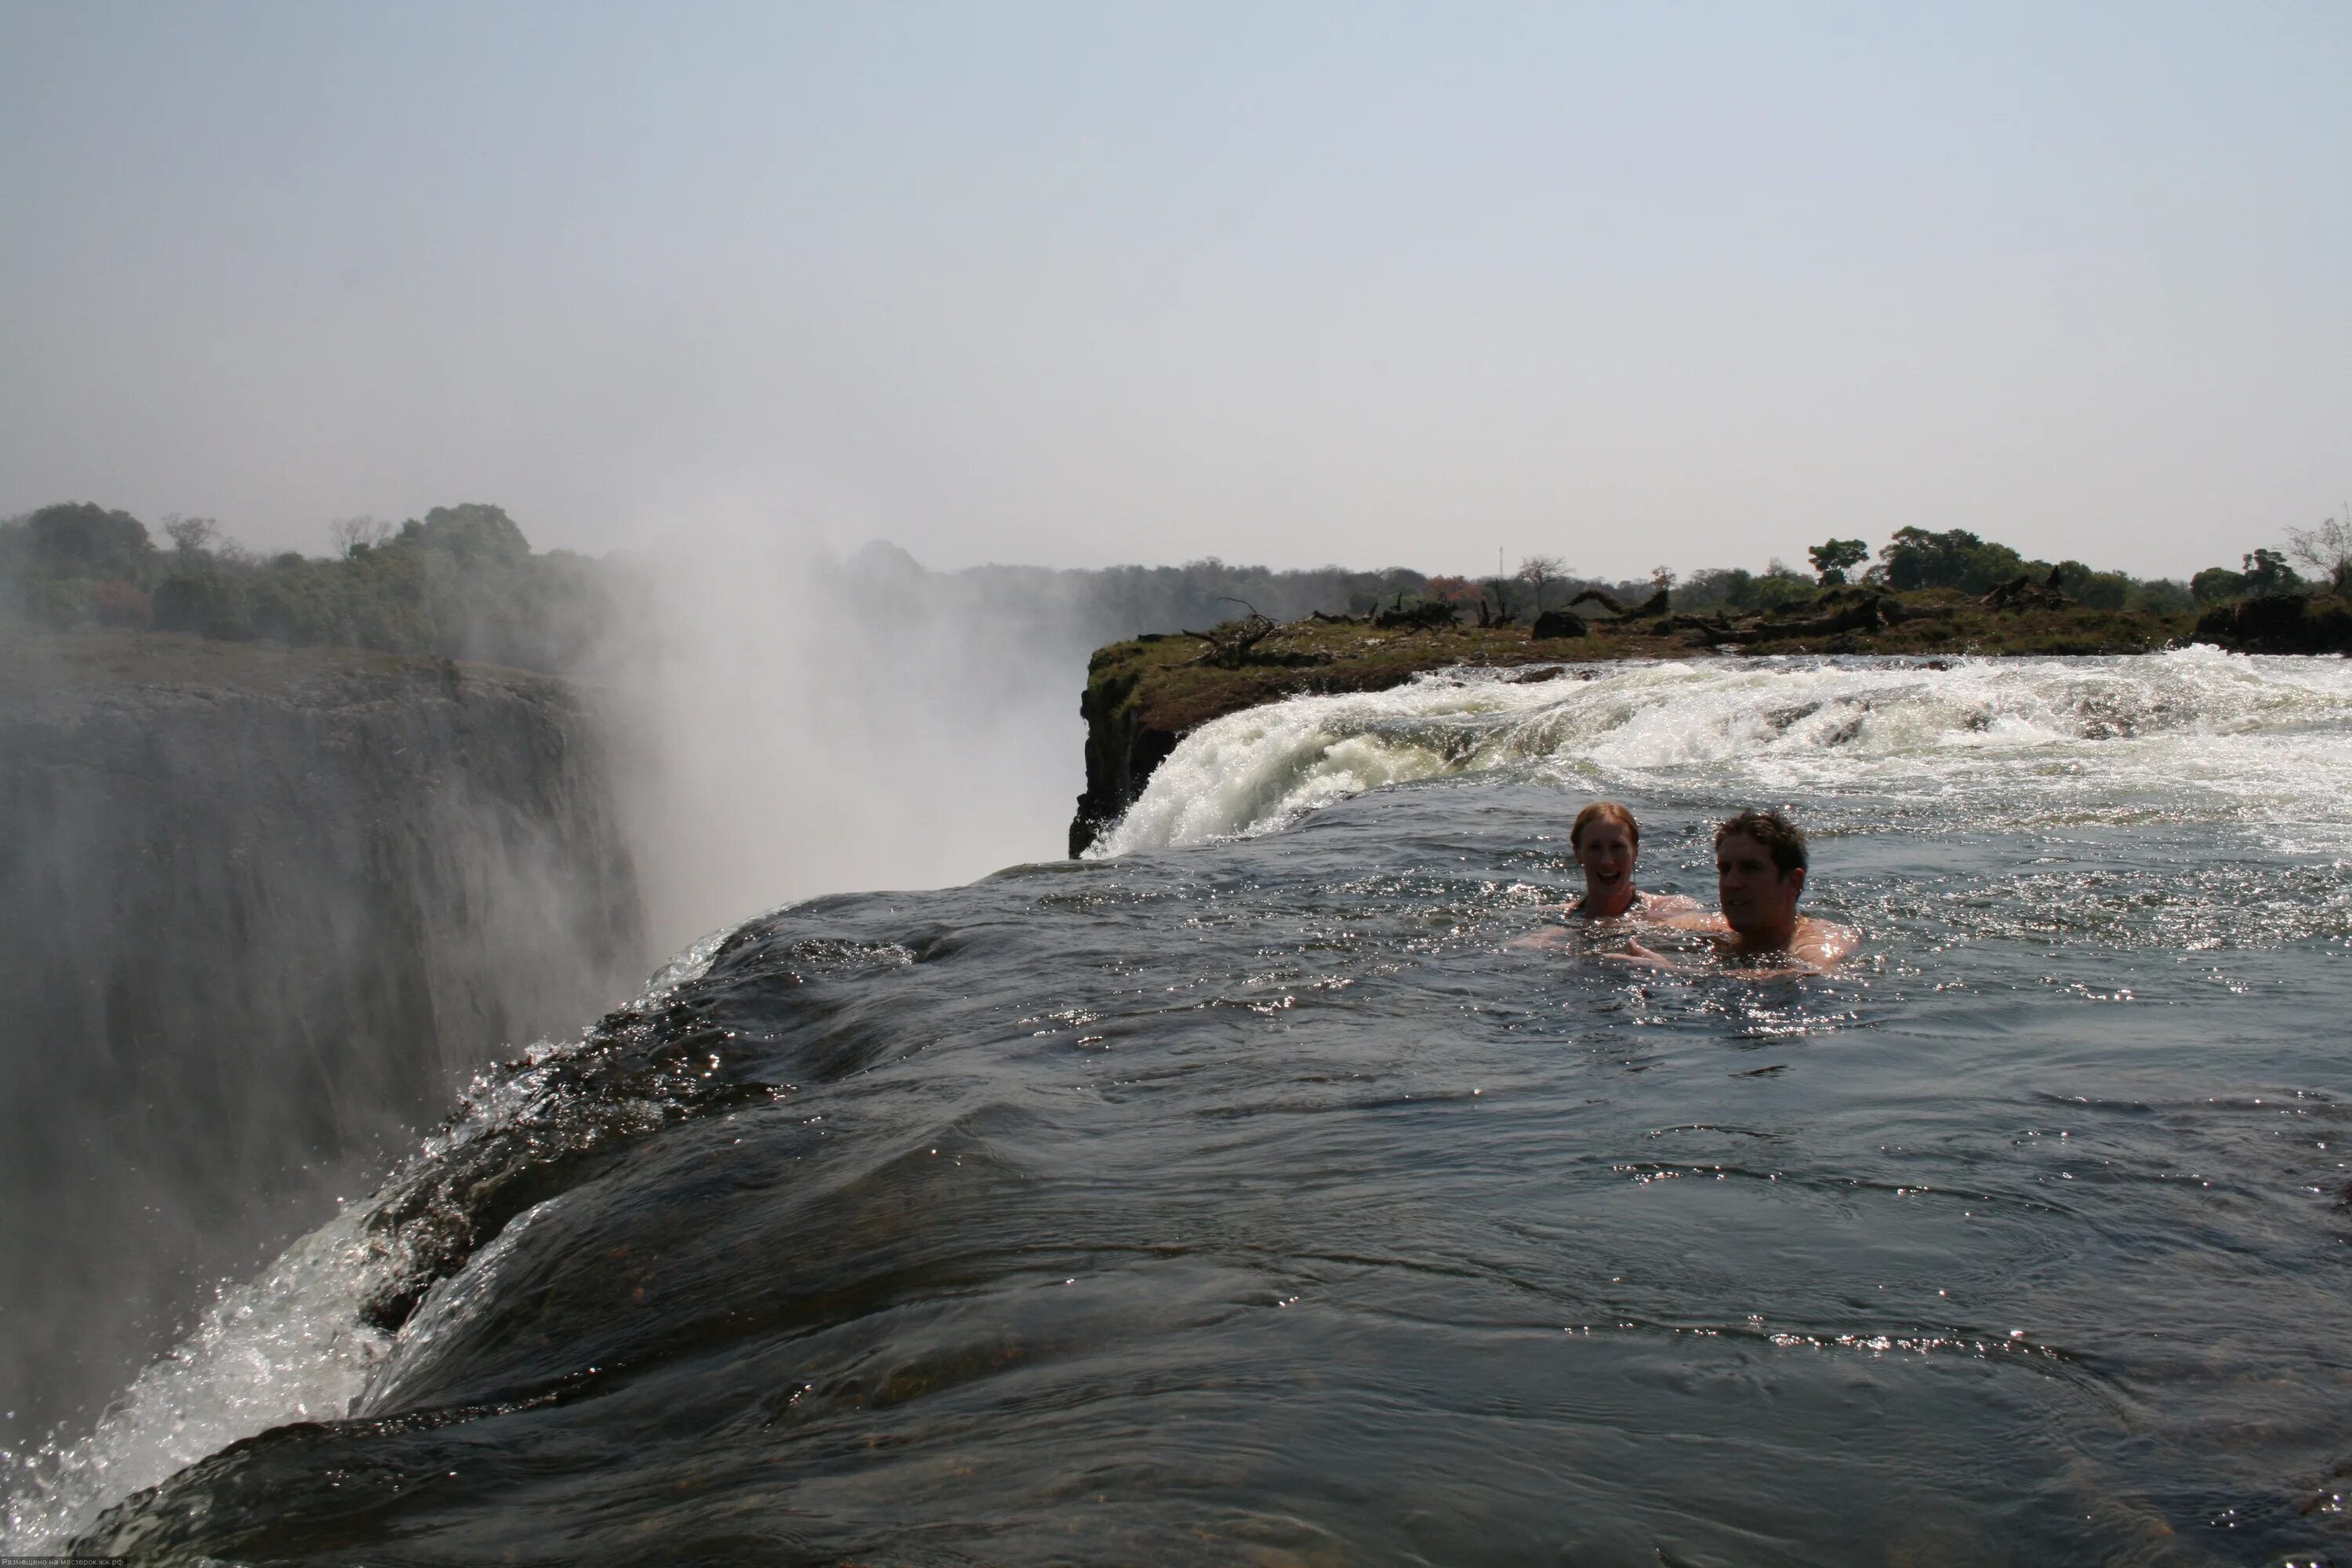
{"points": [[297, 847], [790, 723], [267, 910]]}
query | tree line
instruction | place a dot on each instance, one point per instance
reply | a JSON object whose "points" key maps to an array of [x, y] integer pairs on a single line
{"points": [[463, 582]]}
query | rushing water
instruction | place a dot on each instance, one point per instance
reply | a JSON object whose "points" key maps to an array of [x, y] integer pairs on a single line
{"points": [[1243, 1196]]}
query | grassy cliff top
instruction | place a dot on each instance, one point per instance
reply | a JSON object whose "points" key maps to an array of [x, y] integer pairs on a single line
{"points": [[1174, 684]]}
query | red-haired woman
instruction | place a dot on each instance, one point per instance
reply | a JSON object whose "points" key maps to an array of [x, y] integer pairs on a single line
{"points": [[1607, 843]]}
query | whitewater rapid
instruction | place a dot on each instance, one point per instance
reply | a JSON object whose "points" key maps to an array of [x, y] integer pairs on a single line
{"points": [[2196, 733]]}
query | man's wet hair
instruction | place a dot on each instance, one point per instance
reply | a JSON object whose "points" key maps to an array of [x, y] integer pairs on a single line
{"points": [[1603, 810], [1782, 839]]}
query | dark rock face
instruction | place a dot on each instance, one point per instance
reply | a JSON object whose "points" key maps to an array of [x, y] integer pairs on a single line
{"points": [[2285, 624], [1559, 624], [255, 928], [1122, 750]]}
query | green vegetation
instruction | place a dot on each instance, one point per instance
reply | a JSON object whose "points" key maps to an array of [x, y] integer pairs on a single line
{"points": [[464, 582], [1831, 557]]}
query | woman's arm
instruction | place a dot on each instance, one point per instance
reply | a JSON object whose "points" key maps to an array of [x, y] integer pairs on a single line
{"points": [[1636, 954]]}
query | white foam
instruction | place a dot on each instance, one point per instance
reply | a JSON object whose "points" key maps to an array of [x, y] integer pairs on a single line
{"points": [[290, 1345], [287, 1346], [2214, 733]]}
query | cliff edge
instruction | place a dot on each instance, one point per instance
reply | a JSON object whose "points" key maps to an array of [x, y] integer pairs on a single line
{"points": [[1144, 695]]}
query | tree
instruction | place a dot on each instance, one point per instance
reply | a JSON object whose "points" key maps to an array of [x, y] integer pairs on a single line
{"points": [[77, 539], [1537, 571], [2327, 547], [1501, 588], [2268, 575], [190, 535], [2099, 590], [473, 535], [354, 534], [2217, 586], [1662, 579], [1831, 557], [1915, 558]]}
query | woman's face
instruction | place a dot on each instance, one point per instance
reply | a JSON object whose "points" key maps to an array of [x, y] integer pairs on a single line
{"points": [[1606, 852]]}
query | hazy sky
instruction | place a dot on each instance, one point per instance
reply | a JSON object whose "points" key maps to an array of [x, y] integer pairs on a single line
{"points": [[1094, 283]]}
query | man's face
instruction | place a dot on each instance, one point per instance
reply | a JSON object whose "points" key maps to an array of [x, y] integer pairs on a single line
{"points": [[1755, 897], [1606, 851]]}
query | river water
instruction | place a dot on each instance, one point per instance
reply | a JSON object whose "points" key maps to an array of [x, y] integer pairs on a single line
{"points": [[1243, 1196]]}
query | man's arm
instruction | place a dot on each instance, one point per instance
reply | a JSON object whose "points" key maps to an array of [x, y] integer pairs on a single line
{"points": [[1818, 949]]}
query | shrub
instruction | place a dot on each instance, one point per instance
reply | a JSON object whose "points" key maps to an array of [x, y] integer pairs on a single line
{"points": [[2160, 596], [57, 601], [1743, 592], [118, 604], [2099, 590], [207, 602]]}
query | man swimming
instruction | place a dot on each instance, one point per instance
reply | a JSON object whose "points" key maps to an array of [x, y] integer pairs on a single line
{"points": [[1607, 843], [1760, 862]]}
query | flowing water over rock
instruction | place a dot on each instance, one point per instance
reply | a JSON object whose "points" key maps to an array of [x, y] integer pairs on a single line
{"points": [[1244, 1197]]}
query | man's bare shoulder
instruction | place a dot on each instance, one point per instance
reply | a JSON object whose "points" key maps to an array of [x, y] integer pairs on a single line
{"points": [[1669, 906], [1824, 944]]}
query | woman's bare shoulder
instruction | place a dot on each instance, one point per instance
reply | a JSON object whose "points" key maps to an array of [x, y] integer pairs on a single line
{"points": [[1667, 904]]}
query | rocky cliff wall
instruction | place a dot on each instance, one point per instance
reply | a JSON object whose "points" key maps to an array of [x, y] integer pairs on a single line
{"points": [[261, 914]]}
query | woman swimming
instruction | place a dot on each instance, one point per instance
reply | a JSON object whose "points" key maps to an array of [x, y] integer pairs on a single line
{"points": [[1607, 843]]}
